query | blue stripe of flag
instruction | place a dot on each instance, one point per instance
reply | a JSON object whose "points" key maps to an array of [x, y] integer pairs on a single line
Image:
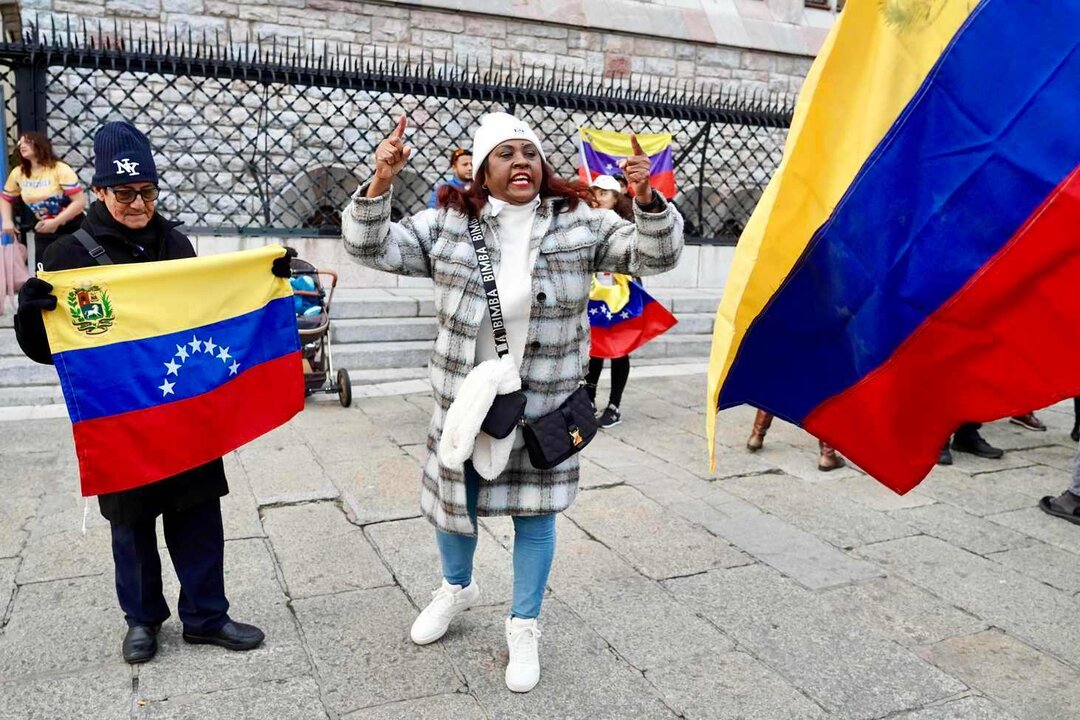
{"points": [[144, 373]]}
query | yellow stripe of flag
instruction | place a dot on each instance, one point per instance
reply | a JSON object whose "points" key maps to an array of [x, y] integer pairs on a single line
{"points": [[614, 143], [874, 61], [157, 298]]}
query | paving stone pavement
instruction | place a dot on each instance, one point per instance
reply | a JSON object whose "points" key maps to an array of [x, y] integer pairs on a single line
{"points": [[762, 591]]}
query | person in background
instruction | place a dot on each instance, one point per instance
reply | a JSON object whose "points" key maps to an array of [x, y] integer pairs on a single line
{"points": [[48, 187], [609, 194], [1066, 505], [828, 458], [1028, 422], [125, 224], [460, 174], [968, 439]]}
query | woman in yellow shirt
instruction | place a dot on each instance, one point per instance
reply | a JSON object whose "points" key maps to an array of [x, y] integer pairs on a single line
{"points": [[49, 188]]}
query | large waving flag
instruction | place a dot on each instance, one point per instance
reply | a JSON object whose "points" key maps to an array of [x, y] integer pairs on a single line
{"points": [[912, 264], [602, 150], [623, 317], [168, 365]]}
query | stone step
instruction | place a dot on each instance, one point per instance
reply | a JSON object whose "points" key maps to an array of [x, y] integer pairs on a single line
{"points": [[9, 346], [382, 355], [359, 304], [362, 330], [31, 395], [671, 346], [693, 324], [418, 302], [18, 371], [383, 329]]}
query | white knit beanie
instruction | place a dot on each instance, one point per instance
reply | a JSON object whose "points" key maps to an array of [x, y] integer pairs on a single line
{"points": [[496, 128]]}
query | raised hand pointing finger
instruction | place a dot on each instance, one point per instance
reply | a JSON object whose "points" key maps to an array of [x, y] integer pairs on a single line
{"points": [[636, 169], [390, 158], [399, 131]]}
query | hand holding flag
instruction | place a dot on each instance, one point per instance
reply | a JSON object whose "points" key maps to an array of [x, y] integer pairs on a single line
{"points": [[636, 169]]}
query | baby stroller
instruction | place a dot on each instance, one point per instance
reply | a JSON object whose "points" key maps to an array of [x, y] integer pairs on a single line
{"points": [[313, 299]]}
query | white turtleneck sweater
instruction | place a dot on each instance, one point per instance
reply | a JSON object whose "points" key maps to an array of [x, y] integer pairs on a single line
{"points": [[513, 279]]}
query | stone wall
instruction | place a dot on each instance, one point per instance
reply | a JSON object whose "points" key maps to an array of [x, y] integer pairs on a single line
{"points": [[565, 35]]}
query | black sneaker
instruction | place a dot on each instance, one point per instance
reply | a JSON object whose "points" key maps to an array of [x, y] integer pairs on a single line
{"points": [[976, 445], [611, 417]]}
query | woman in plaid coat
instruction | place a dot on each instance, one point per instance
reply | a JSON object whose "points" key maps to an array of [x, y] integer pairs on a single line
{"points": [[544, 245]]}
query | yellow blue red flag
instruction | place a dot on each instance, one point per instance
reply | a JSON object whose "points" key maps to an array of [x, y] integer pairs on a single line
{"points": [[168, 365], [913, 263], [601, 151]]}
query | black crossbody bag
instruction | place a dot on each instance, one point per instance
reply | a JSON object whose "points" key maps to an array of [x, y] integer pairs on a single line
{"points": [[551, 438]]}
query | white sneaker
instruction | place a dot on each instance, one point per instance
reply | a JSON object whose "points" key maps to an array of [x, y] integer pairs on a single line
{"points": [[446, 603], [522, 640]]}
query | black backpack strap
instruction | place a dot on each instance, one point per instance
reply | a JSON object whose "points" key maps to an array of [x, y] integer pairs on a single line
{"points": [[96, 251]]}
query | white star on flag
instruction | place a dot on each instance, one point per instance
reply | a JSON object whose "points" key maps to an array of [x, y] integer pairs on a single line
{"points": [[173, 368], [224, 355], [196, 344], [608, 314], [234, 367], [209, 346], [624, 315], [166, 388], [593, 311], [181, 352]]}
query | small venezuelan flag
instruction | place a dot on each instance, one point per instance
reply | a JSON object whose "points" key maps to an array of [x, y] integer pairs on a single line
{"points": [[169, 365], [623, 317], [602, 150], [912, 265]]}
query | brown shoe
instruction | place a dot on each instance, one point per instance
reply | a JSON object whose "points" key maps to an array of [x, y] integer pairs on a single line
{"points": [[1028, 421], [829, 459], [762, 423]]}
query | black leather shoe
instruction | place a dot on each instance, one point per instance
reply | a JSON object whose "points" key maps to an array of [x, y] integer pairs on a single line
{"points": [[140, 643], [977, 446], [945, 456], [232, 636]]}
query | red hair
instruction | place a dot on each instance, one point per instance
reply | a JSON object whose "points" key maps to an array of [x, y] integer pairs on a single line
{"points": [[470, 202]]}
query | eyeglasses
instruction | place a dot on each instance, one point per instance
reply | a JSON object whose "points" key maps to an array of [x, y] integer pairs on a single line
{"points": [[126, 196]]}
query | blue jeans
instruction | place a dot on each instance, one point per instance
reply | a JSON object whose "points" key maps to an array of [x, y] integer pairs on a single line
{"points": [[534, 549]]}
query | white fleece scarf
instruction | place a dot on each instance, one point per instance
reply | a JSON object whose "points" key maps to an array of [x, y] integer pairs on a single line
{"points": [[461, 436]]}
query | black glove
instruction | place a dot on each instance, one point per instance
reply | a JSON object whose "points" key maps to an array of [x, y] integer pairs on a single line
{"points": [[36, 294], [281, 268]]}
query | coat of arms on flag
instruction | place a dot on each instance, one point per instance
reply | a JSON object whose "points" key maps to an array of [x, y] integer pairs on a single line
{"points": [[168, 365]]}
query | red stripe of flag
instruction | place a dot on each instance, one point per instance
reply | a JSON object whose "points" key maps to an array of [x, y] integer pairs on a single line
{"points": [[622, 338], [1004, 344], [120, 452]]}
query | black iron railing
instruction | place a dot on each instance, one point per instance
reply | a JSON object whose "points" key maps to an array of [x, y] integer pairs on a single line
{"points": [[272, 137]]}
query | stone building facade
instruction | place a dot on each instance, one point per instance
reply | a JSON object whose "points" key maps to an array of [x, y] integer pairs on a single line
{"points": [[245, 155], [758, 43]]}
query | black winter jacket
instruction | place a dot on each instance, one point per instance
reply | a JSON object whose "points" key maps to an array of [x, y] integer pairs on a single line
{"points": [[158, 241]]}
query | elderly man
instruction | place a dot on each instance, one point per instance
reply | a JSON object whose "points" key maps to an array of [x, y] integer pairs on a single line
{"points": [[124, 227]]}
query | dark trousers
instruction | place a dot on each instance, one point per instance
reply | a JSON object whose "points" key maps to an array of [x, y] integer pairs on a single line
{"points": [[968, 433], [620, 373], [196, 543], [43, 240]]}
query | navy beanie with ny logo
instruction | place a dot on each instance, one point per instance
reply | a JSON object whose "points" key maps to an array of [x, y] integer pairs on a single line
{"points": [[121, 156]]}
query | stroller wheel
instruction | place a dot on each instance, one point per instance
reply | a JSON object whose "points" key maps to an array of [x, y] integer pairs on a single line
{"points": [[344, 392]]}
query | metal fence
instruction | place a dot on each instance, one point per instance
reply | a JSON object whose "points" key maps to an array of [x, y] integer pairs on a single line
{"points": [[273, 138]]}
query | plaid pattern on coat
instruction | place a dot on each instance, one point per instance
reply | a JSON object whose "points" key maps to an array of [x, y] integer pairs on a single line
{"points": [[572, 246]]}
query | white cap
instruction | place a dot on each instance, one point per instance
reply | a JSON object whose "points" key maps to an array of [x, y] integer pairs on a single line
{"points": [[606, 182], [496, 128]]}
